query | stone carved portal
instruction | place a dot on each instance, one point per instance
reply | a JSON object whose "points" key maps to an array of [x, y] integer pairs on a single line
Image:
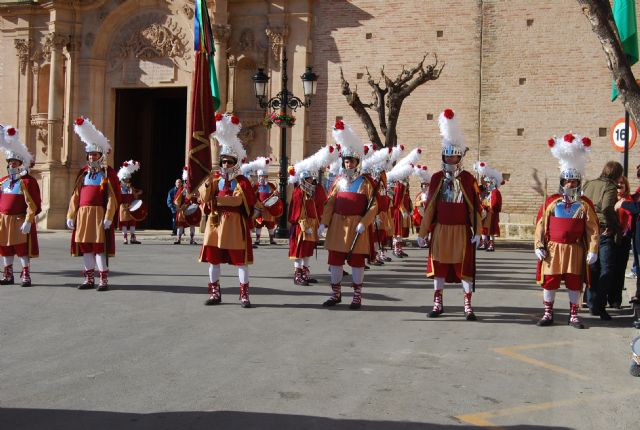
{"points": [[148, 48]]}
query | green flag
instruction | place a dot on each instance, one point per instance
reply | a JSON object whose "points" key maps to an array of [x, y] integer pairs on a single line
{"points": [[624, 13]]}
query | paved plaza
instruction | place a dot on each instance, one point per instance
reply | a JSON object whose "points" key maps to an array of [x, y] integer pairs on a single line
{"points": [[149, 355]]}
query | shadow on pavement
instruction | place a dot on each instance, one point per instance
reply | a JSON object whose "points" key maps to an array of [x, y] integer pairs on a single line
{"points": [[58, 419]]}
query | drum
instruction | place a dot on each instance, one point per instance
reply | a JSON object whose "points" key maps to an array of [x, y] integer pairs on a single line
{"points": [[138, 210], [192, 214], [274, 205]]}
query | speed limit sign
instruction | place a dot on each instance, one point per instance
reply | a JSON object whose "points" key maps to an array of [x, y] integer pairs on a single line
{"points": [[617, 135]]}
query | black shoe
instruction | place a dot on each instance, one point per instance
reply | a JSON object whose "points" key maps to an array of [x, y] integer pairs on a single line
{"points": [[135, 242], [9, 281], [355, 305], [376, 263], [177, 242], [213, 301], [273, 242], [86, 286], [470, 316], [301, 282], [332, 302], [345, 273], [25, 284], [191, 242], [404, 254], [544, 322], [576, 324], [102, 287], [604, 316], [434, 314], [367, 267], [245, 304], [312, 280]]}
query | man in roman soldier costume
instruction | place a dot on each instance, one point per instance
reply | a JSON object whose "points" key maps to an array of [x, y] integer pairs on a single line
{"points": [[92, 207], [348, 214], [263, 217], [453, 216], [490, 180], [305, 210], [250, 171], [420, 202], [374, 166], [128, 195], [19, 205], [401, 206], [229, 200], [187, 215], [567, 230]]}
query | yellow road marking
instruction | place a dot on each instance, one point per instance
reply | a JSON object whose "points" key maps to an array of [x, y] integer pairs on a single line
{"points": [[482, 419], [511, 352]]}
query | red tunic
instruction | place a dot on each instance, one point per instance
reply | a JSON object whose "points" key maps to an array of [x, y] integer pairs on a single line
{"points": [[18, 205], [304, 214], [400, 210]]}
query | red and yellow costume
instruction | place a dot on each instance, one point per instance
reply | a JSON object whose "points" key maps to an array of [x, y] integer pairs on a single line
{"points": [[19, 202], [95, 198], [449, 214], [304, 215], [492, 204], [401, 210], [128, 195], [567, 231], [227, 235]]}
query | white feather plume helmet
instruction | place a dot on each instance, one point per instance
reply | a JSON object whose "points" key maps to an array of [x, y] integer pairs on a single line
{"points": [[399, 173], [396, 153], [572, 152], [227, 128], [127, 169], [422, 172], [350, 143], [185, 174], [92, 138], [377, 160], [14, 148], [260, 163], [312, 164], [411, 158], [489, 173], [452, 139]]}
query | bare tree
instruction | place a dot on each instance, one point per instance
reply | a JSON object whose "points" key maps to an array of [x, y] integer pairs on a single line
{"points": [[600, 16], [388, 96]]}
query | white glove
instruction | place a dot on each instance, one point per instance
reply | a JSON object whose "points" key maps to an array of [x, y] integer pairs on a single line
{"points": [[25, 228], [378, 222], [106, 223], [541, 254], [360, 228], [592, 257], [321, 230], [70, 224], [308, 231], [422, 242], [475, 239]]}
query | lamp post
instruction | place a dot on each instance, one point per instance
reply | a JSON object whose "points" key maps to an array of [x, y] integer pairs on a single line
{"points": [[280, 103]]}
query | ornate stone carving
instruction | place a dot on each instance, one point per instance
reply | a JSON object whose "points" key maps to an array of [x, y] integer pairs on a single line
{"points": [[232, 60], [278, 37], [56, 41], [221, 32], [247, 40], [246, 135], [150, 37], [23, 48], [187, 9], [39, 121]]}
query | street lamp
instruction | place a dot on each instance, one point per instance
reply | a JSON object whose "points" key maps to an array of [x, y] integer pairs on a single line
{"points": [[280, 103]]}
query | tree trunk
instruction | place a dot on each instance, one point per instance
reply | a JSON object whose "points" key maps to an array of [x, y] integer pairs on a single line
{"points": [[599, 14]]}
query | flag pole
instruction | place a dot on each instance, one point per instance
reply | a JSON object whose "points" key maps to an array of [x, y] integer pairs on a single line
{"points": [[626, 143]]}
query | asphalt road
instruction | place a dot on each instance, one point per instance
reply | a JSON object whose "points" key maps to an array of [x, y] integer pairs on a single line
{"points": [[149, 355]]}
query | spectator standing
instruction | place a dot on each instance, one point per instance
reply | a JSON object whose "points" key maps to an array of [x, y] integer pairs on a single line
{"points": [[172, 207], [623, 245], [603, 192], [633, 206]]}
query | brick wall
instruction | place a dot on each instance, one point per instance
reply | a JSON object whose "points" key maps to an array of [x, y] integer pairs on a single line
{"points": [[510, 64]]}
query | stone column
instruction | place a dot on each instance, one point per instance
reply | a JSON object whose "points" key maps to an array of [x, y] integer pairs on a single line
{"points": [[221, 33], [55, 42]]}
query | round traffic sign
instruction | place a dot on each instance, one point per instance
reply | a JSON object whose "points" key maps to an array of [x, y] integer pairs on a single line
{"points": [[617, 135]]}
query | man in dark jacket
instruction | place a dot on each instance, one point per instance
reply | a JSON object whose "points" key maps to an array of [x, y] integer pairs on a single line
{"points": [[634, 208], [172, 206], [603, 192]]}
